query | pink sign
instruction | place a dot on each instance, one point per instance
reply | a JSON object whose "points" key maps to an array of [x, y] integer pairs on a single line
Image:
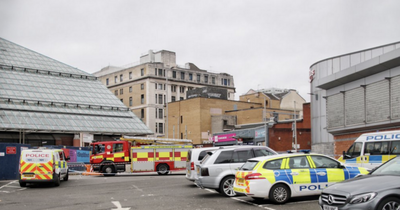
{"points": [[225, 137]]}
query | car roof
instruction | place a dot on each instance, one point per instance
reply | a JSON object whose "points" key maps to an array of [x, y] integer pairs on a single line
{"points": [[224, 148], [270, 157]]}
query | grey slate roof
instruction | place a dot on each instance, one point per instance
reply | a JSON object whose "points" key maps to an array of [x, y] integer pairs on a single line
{"points": [[38, 93]]}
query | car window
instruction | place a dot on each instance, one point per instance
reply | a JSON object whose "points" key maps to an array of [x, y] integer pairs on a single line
{"points": [[262, 152], [355, 149], [298, 162], [273, 164], [391, 168], [324, 162], [224, 157], [249, 165], [395, 147], [242, 156], [202, 154], [189, 156]]}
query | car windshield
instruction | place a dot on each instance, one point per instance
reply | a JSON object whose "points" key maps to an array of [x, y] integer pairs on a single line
{"points": [[249, 165], [390, 168]]}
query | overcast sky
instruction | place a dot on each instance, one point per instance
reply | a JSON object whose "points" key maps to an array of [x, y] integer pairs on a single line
{"points": [[262, 43]]}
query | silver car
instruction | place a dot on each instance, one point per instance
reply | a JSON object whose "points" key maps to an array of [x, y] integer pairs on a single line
{"points": [[217, 170], [379, 190]]}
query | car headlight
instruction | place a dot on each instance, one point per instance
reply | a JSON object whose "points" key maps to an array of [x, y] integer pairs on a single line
{"points": [[362, 198]]}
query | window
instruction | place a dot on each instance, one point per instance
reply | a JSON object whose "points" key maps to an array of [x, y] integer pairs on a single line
{"points": [[121, 91], [155, 71], [173, 88], [130, 101], [258, 152], [205, 78], [160, 127], [354, 150], [116, 92], [173, 98], [160, 86], [160, 113], [156, 127], [273, 164], [324, 162], [181, 119], [182, 89], [198, 77], [141, 72], [298, 162], [155, 86], [173, 74], [61, 154], [182, 75], [156, 98], [181, 98], [130, 89], [142, 86], [115, 79], [156, 112], [121, 77], [190, 76], [224, 157], [213, 80], [107, 81], [160, 72], [376, 148], [118, 148], [395, 147], [165, 99], [130, 75], [160, 99], [142, 99], [241, 156], [122, 100], [142, 113]]}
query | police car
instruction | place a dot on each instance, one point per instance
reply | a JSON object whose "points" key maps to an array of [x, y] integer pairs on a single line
{"points": [[280, 177]]}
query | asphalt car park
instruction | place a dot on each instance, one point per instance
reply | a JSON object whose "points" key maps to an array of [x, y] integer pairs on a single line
{"points": [[133, 191]]}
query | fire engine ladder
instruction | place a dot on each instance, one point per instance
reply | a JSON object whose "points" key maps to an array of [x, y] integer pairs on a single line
{"points": [[149, 140]]}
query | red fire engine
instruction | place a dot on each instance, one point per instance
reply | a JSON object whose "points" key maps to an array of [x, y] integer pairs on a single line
{"points": [[142, 154]]}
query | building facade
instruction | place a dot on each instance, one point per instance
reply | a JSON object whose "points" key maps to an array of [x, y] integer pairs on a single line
{"points": [[147, 87], [352, 94]]}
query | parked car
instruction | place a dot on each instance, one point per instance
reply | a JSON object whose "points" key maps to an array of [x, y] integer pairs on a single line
{"points": [[194, 157], [218, 168], [280, 177], [379, 190]]}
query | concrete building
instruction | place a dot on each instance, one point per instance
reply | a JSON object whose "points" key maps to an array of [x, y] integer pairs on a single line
{"points": [[46, 102], [352, 94], [147, 86]]}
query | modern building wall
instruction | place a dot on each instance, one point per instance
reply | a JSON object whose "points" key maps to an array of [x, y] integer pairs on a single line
{"points": [[157, 79], [353, 94]]}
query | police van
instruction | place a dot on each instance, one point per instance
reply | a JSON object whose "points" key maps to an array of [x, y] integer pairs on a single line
{"points": [[372, 149], [42, 165]]}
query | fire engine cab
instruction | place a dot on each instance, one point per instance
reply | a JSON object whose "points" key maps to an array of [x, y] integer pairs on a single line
{"points": [[143, 154]]}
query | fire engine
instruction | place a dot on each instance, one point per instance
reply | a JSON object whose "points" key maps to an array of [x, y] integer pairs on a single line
{"points": [[141, 153]]}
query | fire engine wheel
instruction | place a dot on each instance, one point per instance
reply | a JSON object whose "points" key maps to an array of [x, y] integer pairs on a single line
{"points": [[108, 171], [162, 169], [57, 181]]}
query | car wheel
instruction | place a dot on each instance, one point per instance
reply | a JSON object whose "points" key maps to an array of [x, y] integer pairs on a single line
{"points": [[108, 171], [22, 184], [279, 193], [226, 186], [162, 169], [57, 181], [389, 204], [66, 176]]}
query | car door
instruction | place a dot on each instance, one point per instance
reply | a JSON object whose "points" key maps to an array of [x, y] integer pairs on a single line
{"points": [[327, 170], [239, 157], [300, 175]]}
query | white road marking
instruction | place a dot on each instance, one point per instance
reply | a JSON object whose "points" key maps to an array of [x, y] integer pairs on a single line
{"points": [[118, 205], [264, 207], [7, 185], [136, 187]]}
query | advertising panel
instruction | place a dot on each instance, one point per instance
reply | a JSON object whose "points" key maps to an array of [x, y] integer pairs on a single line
{"points": [[225, 137]]}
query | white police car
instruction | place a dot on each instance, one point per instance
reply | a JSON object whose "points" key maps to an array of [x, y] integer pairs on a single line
{"points": [[280, 177]]}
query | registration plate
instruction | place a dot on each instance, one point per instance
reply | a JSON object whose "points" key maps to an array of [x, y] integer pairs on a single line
{"points": [[236, 189], [198, 170], [330, 207], [240, 181], [29, 175]]}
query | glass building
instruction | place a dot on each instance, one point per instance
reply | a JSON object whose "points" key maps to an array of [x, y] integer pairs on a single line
{"points": [[44, 101]]}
